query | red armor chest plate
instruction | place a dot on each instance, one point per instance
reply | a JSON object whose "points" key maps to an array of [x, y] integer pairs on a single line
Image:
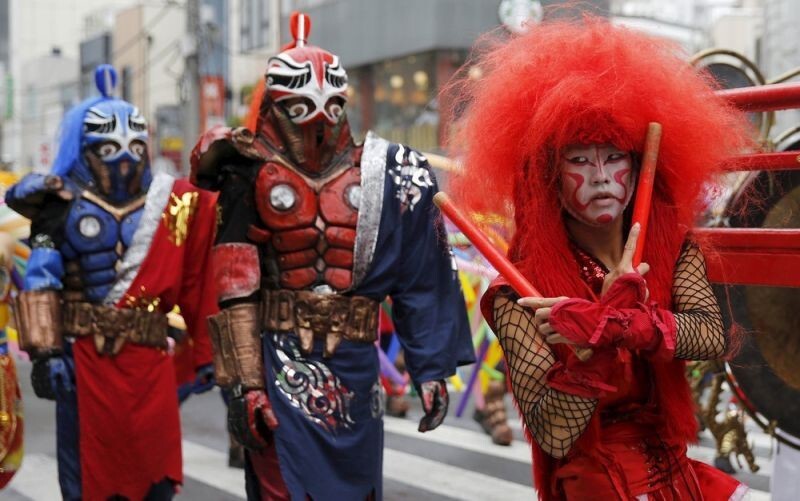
{"points": [[311, 224]]}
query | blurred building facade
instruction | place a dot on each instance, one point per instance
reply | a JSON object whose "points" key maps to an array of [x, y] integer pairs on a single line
{"points": [[54, 46], [697, 24], [414, 48], [48, 86], [780, 52], [398, 55], [41, 82], [5, 75], [149, 49]]}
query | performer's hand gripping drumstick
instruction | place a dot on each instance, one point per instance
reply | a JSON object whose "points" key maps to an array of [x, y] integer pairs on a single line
{"points": [[518, 282]]}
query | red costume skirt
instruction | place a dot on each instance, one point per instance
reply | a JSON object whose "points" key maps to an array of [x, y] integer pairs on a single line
{"points": [[130, 434], [632, 463]]}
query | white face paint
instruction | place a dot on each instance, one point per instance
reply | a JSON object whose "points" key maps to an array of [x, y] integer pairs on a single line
{"points": [[596, 182]]}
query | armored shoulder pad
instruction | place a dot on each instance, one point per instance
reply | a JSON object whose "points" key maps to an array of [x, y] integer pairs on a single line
{"points": [[32, 192], [217, 147]]}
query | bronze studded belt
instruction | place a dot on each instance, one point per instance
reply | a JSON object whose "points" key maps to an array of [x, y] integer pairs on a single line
{"points": [[330, 317], [111, 327]]}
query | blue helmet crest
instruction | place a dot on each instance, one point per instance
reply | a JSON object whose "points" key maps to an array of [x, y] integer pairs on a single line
{"points": [[105, 78]]}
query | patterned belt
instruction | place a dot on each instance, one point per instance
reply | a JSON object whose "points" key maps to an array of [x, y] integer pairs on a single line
{"points": [[330, 317], [111, 327]]}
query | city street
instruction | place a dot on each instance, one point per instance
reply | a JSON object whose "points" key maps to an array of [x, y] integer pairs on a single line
{"points": [[456, 461], [597, 200]]}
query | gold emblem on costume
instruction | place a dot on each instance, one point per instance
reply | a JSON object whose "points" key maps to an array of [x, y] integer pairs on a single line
{"points": [[178, 214], [143, 301]]}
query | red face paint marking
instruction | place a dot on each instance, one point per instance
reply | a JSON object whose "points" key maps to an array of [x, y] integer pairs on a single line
{"points": [[596, 182], [579, 181], [619, 177]]}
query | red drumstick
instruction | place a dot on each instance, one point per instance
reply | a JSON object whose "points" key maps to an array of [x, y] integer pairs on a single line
{"points": [[644, 188], [503, 266], [517, 281]]}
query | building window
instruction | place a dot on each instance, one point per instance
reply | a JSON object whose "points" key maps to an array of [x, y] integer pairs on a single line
{"points": [[126, 85], [245, 25], [398, 98], [254, 24]]}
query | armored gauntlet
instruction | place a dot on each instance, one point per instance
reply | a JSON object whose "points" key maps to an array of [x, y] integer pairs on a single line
{"points": [[236, 338], [39, 322]]}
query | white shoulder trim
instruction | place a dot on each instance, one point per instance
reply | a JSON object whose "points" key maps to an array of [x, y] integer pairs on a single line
{"points": [[373, 179]]}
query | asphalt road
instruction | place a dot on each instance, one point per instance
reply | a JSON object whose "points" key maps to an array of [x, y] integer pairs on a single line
{"points": [[456, 461]]}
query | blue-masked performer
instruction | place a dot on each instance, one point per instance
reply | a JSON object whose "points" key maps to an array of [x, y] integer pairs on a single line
{"points": [[315, 231], [113, 250]]}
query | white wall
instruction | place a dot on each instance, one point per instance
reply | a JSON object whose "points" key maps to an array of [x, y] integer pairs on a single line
{"points": [[738, 31], [780, 49]]}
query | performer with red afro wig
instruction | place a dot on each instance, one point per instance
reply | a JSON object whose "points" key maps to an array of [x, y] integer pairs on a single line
{"points": [[552, 136]]}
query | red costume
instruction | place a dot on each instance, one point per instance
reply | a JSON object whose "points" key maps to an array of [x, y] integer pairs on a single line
{"points": [[617, 425], [127, 443], [114, 249]]}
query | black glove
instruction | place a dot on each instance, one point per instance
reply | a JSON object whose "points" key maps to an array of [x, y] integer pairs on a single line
{"points": [[40, 379], [50, 375], [250, 418], [434, 402], [204, 379]]}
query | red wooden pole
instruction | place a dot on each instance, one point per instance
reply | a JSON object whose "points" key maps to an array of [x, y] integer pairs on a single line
{"points": [[784, 160], [503, 266], [753, 256], [764, 97], [644, 188]]}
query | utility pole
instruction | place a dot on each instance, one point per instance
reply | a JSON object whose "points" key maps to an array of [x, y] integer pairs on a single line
{"points": [[191, 81], [275, 23]]}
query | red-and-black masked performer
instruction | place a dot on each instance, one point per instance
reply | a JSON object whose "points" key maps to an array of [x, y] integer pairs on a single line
{"points": [[113, 250], [555, 130], [315, 231]]}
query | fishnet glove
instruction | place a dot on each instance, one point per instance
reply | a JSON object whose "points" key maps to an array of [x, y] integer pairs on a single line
{"points": [[555, 419], [701, 335]]}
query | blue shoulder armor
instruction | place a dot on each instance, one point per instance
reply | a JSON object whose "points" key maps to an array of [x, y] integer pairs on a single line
{"points": [[29, 194]]}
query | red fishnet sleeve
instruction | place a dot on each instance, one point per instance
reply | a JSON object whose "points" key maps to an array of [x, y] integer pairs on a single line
{"points": [[555, 419], [701, 334]]}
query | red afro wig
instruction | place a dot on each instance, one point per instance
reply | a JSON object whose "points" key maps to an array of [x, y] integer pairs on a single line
{"points": [[583, 82]]}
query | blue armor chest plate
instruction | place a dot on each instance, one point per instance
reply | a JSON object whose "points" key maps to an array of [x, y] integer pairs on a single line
{"points": [[97, 234], [91, 228]]}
